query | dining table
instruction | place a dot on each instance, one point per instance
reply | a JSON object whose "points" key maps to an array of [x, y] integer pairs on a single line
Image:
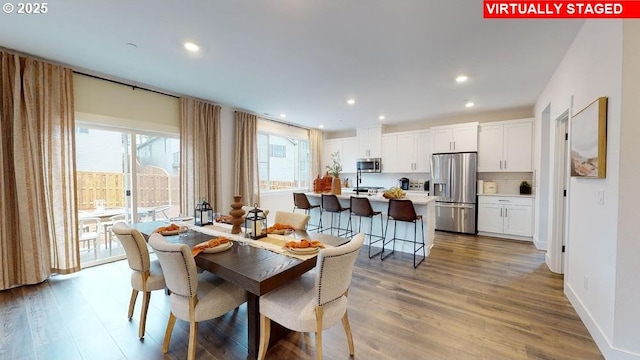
{"points": [[250, 266]]}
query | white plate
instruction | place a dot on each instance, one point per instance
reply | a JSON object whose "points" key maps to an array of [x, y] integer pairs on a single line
{"points": [[173, 232], [304, 251], [219, 248]]}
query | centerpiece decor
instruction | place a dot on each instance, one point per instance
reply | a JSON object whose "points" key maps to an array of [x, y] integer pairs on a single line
{"points": [[236, 214], [334, 170], [204, 213], [254, 223]]}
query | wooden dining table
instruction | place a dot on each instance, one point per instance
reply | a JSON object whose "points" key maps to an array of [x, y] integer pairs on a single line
{"points": [[254, 269]]}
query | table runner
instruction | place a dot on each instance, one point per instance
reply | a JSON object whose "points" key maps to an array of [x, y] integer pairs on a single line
{"points": [[272, 243]]}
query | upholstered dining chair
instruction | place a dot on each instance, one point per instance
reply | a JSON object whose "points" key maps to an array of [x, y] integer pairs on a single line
{"points": [[316, 300], [194, 297], [146, 275], [298, 221]]}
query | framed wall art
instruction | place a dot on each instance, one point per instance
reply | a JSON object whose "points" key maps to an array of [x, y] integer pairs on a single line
{"points": [[589, 141]]}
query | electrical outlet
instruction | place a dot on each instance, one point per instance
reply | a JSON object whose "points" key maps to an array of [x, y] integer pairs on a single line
{"points": [[586, 282], [600, 197]]}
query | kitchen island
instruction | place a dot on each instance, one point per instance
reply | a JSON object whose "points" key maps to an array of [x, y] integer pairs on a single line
{"points": [[424, 205]]}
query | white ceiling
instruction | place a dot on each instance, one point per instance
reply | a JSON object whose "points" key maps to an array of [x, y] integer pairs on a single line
{"points": [[306, 57]]}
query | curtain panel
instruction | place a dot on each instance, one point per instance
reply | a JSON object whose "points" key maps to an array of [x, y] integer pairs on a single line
{"points": [[39, 233], [199, 154], [315, 146], [246, 158]]}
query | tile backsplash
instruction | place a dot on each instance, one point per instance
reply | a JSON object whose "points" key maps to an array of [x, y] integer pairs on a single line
{"points": [[507, 182]]}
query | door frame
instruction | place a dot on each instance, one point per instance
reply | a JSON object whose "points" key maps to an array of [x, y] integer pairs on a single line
{"points": [[560, 185]]}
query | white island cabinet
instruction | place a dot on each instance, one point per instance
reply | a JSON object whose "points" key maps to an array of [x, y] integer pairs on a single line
{"points": [[424, 205], [506, 216]]}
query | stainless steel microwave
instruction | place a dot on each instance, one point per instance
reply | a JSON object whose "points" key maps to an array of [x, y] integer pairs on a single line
{"points": [[369, 165]]}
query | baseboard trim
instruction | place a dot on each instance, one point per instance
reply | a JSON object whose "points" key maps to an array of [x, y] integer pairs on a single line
{"points": [[601, 340]]}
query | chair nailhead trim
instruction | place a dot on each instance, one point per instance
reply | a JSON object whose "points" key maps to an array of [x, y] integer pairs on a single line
{"points": [[185, 265], [322, 272]]}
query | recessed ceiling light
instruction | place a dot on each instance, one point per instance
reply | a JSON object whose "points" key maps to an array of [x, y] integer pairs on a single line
{"points": [[462, 78], [351, 101], [191, 46], [469, 104], [321, 126], [283, 115], [381, 117]]}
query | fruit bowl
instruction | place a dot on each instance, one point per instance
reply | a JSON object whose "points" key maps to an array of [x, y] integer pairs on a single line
{"points": [[394, 193]]}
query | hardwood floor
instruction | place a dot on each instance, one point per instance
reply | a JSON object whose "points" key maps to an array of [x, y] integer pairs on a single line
{"points": [[473, 298]]}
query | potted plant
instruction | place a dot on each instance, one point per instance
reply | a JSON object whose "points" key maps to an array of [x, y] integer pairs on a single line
{"points": [[525, 188], [334, 170]]}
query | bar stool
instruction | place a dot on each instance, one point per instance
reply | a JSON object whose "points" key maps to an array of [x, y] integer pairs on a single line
{"points": [[361, 207], [300, 201], [403, 210], [331, 205]]}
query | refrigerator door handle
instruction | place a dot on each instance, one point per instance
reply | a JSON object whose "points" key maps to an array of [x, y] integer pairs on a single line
{"points": [[454, 205]]}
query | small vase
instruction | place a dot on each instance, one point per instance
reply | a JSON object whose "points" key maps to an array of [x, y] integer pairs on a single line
{"points": [[236, 214], [336, 186]]}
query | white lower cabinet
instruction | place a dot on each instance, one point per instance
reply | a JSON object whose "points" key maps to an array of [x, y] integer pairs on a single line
{"points": [[508, 216]]}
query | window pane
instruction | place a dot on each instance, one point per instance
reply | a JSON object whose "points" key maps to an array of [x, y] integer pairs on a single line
{"points": [[102, 177], [283, 163], [157, 177]]}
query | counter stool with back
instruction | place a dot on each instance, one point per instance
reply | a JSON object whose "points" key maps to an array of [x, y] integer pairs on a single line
{"points": [[331, 205], [361, 207], [300, 201], [403, 210]]}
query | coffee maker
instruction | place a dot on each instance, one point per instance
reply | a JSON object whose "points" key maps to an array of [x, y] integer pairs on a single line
{"points": [[403, 183]]}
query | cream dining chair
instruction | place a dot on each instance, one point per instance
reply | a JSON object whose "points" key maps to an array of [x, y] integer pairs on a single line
{"points": [[146, 275], [316, 300], [194, 297], [298, 221]]}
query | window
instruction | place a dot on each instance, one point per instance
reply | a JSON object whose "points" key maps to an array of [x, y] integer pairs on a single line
{"points": [[283, 163], [277, 151]]}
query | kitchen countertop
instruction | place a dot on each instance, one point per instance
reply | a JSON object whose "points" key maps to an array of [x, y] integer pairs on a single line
{"points": [[510, 195], [416, 198]]}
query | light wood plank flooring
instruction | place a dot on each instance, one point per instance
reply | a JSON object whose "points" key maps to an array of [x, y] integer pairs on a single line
{"points": [[473, 298]]}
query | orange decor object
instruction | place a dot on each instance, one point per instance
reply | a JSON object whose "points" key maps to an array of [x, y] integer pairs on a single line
{"points": [[327, 180], [317, 185], [236, 213]]}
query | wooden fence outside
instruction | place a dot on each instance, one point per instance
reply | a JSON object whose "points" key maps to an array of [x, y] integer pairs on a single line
{"points": [[155, 188]]}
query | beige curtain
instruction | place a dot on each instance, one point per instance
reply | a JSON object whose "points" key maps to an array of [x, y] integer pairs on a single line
{"points": [[199, 154], [246, 158], [38, 232], [315, 146]]}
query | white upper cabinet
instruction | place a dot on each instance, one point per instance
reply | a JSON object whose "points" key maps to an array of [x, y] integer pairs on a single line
{"points": [[369, 142], [505, 146], [347, 147], [390, 153], [423, 152], [455, 138], [406, 152]]}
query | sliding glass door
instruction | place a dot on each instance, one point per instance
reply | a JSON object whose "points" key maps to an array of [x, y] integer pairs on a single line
{"points": [[122, 175]]}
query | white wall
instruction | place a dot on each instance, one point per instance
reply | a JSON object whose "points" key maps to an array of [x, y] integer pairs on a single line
{"points": [[627, 301], [592, 68]]}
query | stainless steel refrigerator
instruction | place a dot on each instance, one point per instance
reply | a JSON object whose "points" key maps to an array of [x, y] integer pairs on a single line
{"points": [[453, 180]]}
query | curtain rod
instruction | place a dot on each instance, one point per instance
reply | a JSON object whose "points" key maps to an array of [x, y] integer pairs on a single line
{"points": [[125, 84], [275, 121]]}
